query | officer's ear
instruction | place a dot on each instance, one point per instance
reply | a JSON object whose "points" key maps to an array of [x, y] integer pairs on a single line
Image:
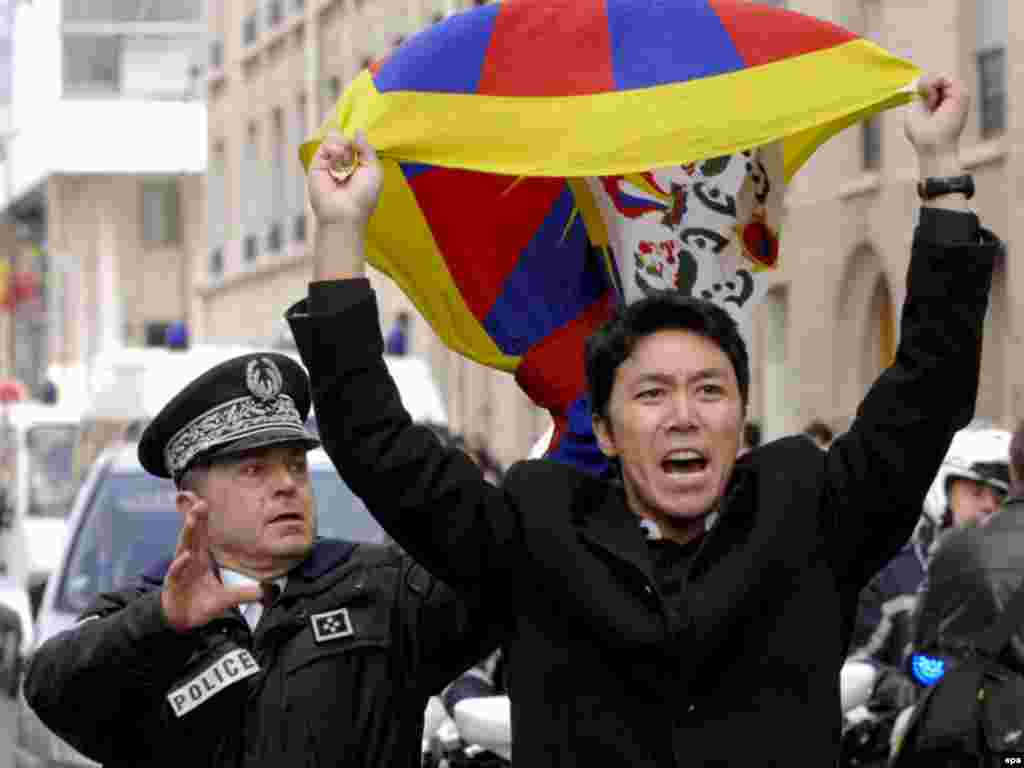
{"points": [[186, 501]]}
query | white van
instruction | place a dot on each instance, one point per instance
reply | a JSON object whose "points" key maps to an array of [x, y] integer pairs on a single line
{"points": [[128, 387], [37, 489]]}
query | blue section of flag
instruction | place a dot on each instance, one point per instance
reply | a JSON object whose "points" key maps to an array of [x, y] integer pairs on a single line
{"points": [[412, 170], [651, 48], [578, 447], [444, 58], [546, 289]]}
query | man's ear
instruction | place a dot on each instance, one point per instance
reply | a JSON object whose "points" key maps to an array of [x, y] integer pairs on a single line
{"points": [[185, 502], [603, 433]]}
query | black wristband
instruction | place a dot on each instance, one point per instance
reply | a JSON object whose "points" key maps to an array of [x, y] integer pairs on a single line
{"points": [[933, 187]]}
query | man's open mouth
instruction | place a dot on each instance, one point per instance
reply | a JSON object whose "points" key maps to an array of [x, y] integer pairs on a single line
{"points": [[684, 462]]}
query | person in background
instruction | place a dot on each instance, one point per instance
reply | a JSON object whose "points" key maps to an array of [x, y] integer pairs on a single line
{"points": [[398, 337], [970, 484]]}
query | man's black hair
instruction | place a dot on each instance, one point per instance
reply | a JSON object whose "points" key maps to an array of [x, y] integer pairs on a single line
{"points": [[751, 435], [610, 345]]}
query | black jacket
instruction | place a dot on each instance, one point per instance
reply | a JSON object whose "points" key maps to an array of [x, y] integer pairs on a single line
{"points": [[111, 686], [601, 673], [971, 579]]}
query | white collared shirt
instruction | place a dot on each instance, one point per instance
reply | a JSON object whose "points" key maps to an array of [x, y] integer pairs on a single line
{"points": [[251, 612]]}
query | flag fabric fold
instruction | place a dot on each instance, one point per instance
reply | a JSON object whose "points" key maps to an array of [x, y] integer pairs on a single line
{"points": [[545, 160]]}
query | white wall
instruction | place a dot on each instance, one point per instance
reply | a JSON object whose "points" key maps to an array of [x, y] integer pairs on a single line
{"points": [[55, 135]]}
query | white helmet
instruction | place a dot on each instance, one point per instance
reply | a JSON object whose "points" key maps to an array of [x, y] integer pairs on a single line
{"points": [[982, 455]]}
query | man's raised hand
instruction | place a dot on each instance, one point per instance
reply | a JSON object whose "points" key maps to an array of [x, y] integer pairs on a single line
{"points": [[193, 595], [935, 122], [347, 198], [343, 201]]}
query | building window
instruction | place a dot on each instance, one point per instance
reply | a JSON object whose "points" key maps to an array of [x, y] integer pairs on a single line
{"points": [[133, 10], [871, 143], [778, 418], [274, 238], [160, 211], [255, 210], [881, 334], [216, 54], [216, 267], [249, 29], [992, 91], [216, 207], [250, 249], [278, 183], [990, 46], [275, 13], [295, 180], [92, 64]]}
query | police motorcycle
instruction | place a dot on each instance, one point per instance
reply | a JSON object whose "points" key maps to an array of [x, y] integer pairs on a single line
{"points": [[872, 700], [478, 736]]}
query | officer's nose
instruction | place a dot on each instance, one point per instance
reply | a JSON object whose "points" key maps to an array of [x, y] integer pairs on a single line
{"points": [[283, 479]]}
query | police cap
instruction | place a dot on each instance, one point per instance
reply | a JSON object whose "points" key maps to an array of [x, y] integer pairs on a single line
{"points": [[252, 401]]}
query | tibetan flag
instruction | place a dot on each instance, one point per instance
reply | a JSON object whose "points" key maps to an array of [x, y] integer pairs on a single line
{"points": [[546, 160]]}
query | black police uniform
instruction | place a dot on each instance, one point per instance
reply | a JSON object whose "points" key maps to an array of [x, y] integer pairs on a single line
{"points": [[337, 672]]}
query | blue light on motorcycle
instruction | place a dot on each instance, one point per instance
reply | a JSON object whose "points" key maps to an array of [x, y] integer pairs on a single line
{"points": [[927, 670]]}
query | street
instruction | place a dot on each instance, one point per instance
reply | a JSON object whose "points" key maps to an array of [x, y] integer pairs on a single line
{"points": [[8, 711]]}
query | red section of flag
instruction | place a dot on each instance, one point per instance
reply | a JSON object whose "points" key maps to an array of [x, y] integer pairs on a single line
{"points": [[481, 224], [528, 54], [551, 372], [763, 34]]}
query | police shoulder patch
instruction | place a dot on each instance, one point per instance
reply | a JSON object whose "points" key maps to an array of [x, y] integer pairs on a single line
{"points": [[227, 670], [332, 625]]}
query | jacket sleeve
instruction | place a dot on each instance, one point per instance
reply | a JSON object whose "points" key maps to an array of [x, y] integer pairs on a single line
{"points": [[448, 632], [878, 472], [434, 501], [113, 668]]}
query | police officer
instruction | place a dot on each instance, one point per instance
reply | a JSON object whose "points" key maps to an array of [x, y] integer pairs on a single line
{"points": [[259, 644]]}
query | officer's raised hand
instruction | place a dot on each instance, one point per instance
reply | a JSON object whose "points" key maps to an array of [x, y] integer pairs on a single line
{"points": [[345, 179], [193, 595]]}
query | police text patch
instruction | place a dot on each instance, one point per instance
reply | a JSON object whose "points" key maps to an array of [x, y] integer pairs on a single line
{"points": [[331, 625], [228, 669]]}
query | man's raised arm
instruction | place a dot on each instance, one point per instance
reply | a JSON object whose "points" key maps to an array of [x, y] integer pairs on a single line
{"points": [[880, 470], [434, 501]]}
